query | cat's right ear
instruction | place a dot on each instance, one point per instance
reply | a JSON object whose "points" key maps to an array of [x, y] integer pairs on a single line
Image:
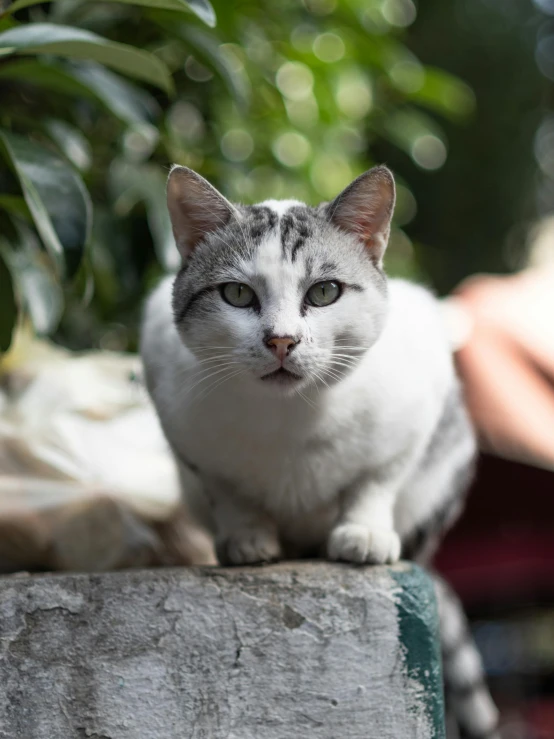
{"points": [[195, 208], [365, 209]]}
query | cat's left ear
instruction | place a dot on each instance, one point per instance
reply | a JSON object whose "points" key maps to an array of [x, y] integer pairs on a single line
{"points": [[365, 209]]}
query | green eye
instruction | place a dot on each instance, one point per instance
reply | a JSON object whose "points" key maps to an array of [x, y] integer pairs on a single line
{"points": [[237, 294], [323, 293]]}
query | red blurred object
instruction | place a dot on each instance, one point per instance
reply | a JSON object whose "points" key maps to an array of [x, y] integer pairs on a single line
{"points": [[500, 559], [540, 717], [502, 549]]}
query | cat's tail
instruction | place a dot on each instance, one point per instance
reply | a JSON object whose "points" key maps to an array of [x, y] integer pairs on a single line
{"points": [[467, 695]]}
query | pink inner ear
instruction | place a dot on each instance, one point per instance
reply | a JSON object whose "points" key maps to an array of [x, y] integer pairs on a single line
{"points": [[360, 214], [365, 208], [195, 208], [204, 211]]}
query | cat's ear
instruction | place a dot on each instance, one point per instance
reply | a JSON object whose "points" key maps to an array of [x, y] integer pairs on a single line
{"points": [[195, 208], [365, 209]]}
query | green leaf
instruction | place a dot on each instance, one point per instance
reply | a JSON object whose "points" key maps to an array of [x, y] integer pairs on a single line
{"points": [[43, 73], [128, 102], [446, 94], [131, 184], [202, 8], [6, 22], [40, 293], [56, 196], [8, 306], [86, 79], [66, 41], [71, 142], [407, 125], [208, 49], [15, 205]]}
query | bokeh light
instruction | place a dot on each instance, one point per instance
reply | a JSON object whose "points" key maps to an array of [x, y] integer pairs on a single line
{"points": [[400, 13], [330, 174], [295, 80], [197, 71], [407, 76], [329, 47], [303, 113], [406, 205], [292, 149], [186, 121], [353, 94], [237, 145], [302, 37], [140, 140], [320, 7], [429, 152]]}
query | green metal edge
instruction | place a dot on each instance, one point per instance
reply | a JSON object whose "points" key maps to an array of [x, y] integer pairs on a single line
{"points": [[418, 623]]}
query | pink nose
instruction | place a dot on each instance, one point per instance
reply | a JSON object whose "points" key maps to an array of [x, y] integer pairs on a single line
{"points": [[281, 346]]}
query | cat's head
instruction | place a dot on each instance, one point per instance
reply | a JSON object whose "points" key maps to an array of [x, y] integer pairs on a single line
{"points": [[282, 294]]}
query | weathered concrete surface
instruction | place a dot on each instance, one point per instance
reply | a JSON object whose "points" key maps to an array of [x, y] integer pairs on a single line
{"points": [[294, 651]]}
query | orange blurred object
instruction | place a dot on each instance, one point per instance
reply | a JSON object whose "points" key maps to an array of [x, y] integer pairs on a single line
{"points": [[507, 362]]}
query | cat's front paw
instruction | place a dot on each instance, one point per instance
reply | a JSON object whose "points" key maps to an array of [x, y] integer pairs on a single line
{"points": [[248, 546], [352, 542]]}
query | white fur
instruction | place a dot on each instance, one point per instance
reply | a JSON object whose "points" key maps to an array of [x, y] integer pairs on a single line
{"points": [[280, 206], [275, 465]]}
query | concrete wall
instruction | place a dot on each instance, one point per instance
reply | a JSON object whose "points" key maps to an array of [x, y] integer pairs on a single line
{"points": [[293, 651]]}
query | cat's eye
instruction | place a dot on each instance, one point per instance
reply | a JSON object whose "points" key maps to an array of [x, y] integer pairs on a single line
{"points": [[323, 293], [238, 294]]}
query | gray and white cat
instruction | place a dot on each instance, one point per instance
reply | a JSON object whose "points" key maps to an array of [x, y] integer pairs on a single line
{"points": [[311, 404]]}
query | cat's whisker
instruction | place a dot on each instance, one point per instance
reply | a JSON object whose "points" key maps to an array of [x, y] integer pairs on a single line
{"points": [[188, 390], [208, 391], [187, 373], [321, 379], [203, 361], [209, 349], [212, 357], [336, 364], [358, 349], [334, 374], [203, 370], [345, 358], [343, 363], [306, 399], [338, 343]]}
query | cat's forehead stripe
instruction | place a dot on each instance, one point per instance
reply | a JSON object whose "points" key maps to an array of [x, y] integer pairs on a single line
{"points": [[261, 220], [294, 220], [297, 225]]}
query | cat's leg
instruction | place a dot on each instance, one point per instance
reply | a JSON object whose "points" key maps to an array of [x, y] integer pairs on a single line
{"points": [[244, 534], [365, 529]]}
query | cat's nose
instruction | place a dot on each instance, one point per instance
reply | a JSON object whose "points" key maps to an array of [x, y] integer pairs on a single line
{"points": [[281, 345]]}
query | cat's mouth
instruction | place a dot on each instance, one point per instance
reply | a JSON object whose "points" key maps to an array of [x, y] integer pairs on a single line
{"points": [[282, 376]]}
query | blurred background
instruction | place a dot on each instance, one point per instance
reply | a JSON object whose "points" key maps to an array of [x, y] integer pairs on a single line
{"points": [[293, 99]]}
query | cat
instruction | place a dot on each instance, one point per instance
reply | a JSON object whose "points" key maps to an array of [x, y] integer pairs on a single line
{"points": [[311, 403]]}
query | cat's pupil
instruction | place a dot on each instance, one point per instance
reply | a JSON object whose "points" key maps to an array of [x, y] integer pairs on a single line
{"points": [[238, 294], [323, 293]]}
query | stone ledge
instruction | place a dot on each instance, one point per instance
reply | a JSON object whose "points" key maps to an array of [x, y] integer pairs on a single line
{"points": [[291, 651]]}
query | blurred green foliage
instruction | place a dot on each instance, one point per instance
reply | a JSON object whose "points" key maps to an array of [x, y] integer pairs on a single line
{"points": [[266, 99], [475, 211]]}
